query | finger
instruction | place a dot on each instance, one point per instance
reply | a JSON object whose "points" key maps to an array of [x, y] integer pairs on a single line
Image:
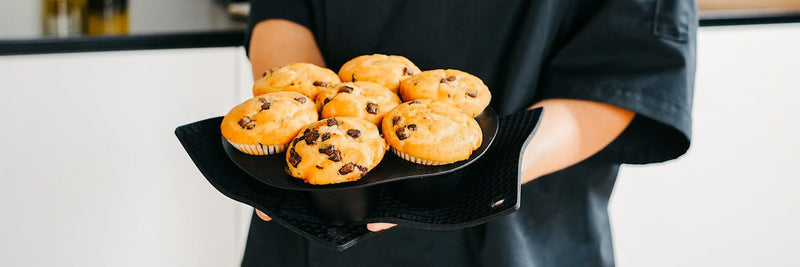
{"points": [[377, 227], [263, 216]]}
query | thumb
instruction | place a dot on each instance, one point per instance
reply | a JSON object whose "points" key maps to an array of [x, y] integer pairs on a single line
{"points": [[263, 216]]}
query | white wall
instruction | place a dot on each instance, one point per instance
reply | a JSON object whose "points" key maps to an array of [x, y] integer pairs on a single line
{"points": [[20, 18], [734, 199]]}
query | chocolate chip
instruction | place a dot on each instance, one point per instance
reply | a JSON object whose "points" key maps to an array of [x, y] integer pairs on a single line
{"points": [[264, 74], [300, 99], [287, 170], [353, 77], [407, 71], [325, 102], [318, 167], [451, 78], [354, 133], [473, 94], [244, 121], [319, 83], [372, 108], [347, 168], [262, 100], [327, 150], [294, 158], [345, 89], [395, 120], [401, 133], [443, 81], [336, 156], [265, 106], [247, 123], [298, 139], [326, 136], [332, 122], [306, 131], [311, 137], [362, 168], [412, 127]]}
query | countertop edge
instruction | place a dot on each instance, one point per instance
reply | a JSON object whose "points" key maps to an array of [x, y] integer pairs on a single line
{"points": [[735, 19], [122, 42]]}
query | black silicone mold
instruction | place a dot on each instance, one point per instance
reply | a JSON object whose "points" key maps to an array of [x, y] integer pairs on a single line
{"points": [[350, 202], [481, 191]]}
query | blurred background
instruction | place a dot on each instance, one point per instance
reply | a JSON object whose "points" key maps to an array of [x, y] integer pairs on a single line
{"points": [[92, 175]]}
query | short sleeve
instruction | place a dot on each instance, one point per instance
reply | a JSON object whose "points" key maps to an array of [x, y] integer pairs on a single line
{"points": [[638, 55], [297, 11]]}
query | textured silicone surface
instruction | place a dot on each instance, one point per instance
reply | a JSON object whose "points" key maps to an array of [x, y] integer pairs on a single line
{"points": [[484, 190]]}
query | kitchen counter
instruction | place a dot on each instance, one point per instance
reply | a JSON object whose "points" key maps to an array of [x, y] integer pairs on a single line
{"points": [[206, 23]]}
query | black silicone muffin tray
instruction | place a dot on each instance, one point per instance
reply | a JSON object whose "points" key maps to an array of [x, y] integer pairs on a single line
{"points": [[345, 203], [483, 190]]}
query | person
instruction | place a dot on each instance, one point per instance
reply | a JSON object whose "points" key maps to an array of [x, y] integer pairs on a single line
{"points": [[615, 78]]}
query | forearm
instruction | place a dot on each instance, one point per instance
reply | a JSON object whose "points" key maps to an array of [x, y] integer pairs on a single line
{"points": [[275, 43], [571, 131]]}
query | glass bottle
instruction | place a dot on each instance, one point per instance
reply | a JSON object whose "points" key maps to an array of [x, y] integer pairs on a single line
{"points": [[106, 17]]}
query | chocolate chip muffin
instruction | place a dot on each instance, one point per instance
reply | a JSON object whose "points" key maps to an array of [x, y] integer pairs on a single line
{"points": [[431, 132], [335, 150], [264, 124], [366, 100], [461, 89], [303, 78], [385, 70]]}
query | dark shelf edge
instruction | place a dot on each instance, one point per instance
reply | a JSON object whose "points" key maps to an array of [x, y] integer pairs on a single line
{"points": [[123, 42], [766, 19]]}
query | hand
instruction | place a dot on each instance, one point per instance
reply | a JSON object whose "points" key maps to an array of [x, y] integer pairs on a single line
{"points": [[374, 227]]}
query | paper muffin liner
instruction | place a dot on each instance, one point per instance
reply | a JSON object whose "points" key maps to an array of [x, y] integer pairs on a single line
{"points": [[259, 149], [417, 160]]}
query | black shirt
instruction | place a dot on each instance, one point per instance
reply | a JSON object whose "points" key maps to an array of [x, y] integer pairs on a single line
{"points": [[636, 54]]}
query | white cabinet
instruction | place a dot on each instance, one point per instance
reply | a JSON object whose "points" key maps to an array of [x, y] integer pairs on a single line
{"points": [[91, 172]]}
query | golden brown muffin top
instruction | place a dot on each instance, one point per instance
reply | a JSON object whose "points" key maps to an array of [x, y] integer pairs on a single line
{"points": [[366, 100], [269, 119], [382, 69], [432, 130], [461, 89], [335, 150], [304, 78]]}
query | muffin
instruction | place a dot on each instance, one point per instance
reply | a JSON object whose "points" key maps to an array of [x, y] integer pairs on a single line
{"points": [[303, 78], [264, 124], [385, 70], [458, 88], [335, 150], [431, 132], [366, 100]]}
